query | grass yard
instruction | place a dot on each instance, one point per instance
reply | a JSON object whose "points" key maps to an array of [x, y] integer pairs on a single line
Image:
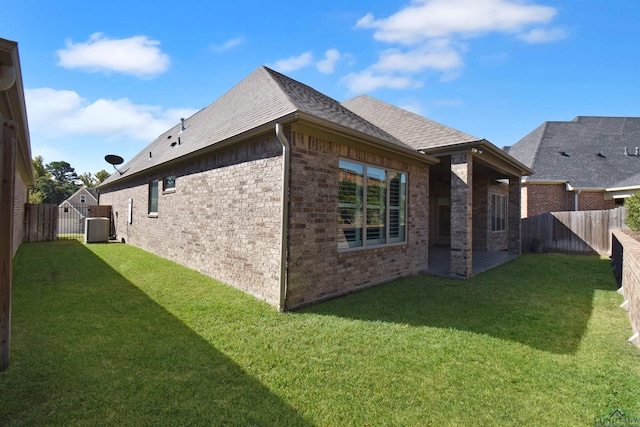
{"points": [[107, 334]]}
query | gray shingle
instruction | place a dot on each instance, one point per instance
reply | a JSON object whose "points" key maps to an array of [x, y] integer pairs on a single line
{"points": [[413, 129], [261, 98], [587, 152]]}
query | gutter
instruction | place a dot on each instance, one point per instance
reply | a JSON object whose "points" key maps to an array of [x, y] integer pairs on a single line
{"points": [[284, 232], [579, 190]]}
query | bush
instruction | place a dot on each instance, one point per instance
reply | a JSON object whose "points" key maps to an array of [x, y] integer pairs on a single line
{"points": [[633, 212]]}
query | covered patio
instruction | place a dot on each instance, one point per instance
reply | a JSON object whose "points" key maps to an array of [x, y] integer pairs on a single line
{"points": [[440, 261]]}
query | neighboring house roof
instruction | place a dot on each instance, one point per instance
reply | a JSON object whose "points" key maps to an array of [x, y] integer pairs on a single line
{"points": [[13, 107], [415, 130], [260, 100], [83, 190], [67, 204], [587, 152]]}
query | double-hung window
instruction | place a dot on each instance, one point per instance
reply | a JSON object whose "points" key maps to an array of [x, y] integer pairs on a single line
{"points": [[498, 212], [153, 197], [371, 205]]}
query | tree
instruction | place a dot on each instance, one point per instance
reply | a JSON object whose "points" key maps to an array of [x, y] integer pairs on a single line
{"points": [[62, 172], [101, 176], [88, 179], [55, 182], [38, 167], [36, 195]]}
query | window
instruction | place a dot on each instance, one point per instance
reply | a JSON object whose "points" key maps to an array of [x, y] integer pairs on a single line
{"points": [[371, 205], [153, 197], [83, 198], [498, 212], [169, 183]]}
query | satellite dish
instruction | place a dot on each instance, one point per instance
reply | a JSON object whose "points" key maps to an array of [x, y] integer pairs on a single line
{"points": [[114, 160]]}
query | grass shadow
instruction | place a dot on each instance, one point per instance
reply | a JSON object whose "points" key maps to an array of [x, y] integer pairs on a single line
{"points": [[542, 301], [90, 348]]}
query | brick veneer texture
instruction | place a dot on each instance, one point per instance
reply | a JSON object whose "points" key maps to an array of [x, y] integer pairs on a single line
{"points": [[224, 219], [461, 214], [541, 198], [317, 270], [19, 199], [631, 275]]}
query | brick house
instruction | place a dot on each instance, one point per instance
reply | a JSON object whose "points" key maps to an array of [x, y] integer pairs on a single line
{"points": [[589, 163], [284, 193], [16, 176], [15, 130]]}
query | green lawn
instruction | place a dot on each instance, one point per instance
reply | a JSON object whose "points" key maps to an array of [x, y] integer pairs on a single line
{"points": [[107, 334]]}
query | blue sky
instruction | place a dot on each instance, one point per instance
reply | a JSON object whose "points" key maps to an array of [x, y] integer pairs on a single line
{"points": [[108, 77]]}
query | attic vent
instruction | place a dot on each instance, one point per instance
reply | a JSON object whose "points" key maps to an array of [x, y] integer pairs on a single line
{"points": [[564, 153], [601, 155]]}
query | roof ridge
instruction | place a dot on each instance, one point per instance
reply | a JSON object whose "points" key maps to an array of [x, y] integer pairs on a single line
{"points": [[419, 116], [545, 126]]}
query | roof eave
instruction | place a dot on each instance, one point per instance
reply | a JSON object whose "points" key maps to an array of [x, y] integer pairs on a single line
{"points": [[210, 148], [371, 140], [484, 144], [16, 92]]}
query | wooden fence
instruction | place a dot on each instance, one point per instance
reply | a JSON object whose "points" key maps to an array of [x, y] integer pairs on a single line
{"points": [[40, 223], [573, 232], [44, 222]]}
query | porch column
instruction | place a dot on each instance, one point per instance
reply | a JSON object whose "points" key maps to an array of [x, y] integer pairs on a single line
{"points": [[461, 214], [514, 212]]}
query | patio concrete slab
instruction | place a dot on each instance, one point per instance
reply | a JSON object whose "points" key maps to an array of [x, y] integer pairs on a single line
{"points": [[440, 260]]}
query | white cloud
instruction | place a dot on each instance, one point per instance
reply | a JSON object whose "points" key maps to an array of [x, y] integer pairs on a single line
{"points": [[328, 64], [59, 113], [434, 34], [368, 81], [426, 19], [437, 55], [136, 55], [293, 63], [543, 35], [228, 45]]}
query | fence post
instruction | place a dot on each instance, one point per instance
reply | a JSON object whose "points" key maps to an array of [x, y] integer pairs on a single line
{"points": [[7, 180]]}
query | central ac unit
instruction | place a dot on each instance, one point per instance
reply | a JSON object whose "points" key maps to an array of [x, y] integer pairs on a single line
{"points": [[96, 230]]}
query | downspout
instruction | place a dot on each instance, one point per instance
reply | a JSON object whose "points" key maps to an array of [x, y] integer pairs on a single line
{"points": [[284, 232], [576, 192]]}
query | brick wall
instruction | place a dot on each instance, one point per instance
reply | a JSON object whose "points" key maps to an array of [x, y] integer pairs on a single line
{"points": [[541, 198], [317, 270], [19, 199], [629, 249], [594, 201], [223, 219], [481, 212]]}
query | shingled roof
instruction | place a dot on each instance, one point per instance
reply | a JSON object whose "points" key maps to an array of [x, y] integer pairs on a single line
{"points": [[417, 131], [262, 98], [587, 152]]}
